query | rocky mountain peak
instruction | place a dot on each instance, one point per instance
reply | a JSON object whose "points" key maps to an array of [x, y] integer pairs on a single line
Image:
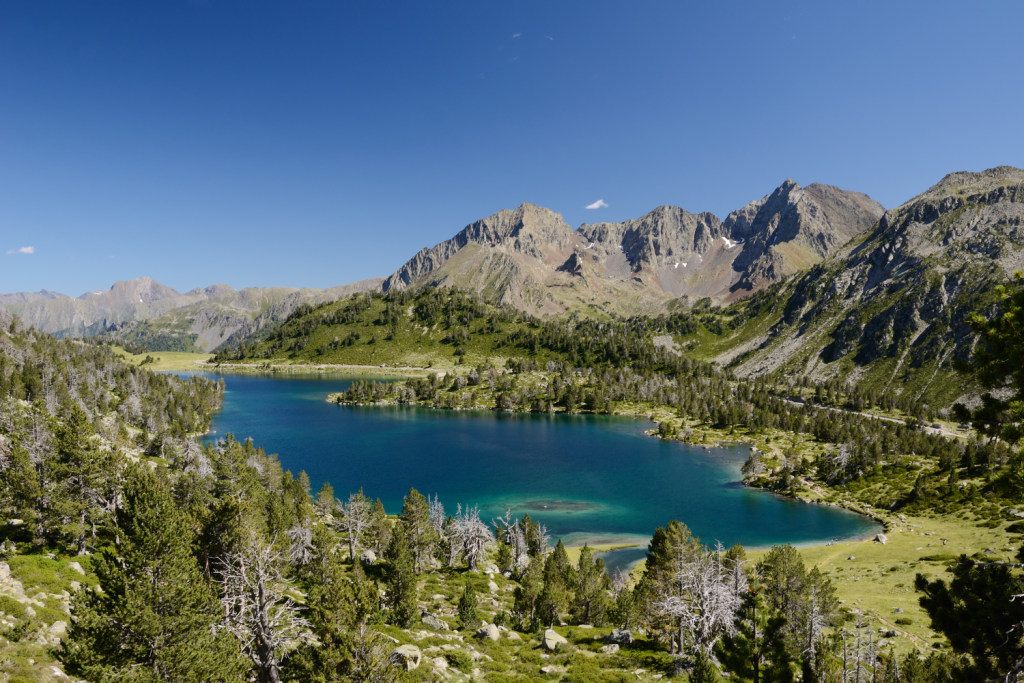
{"points": [[666, 253]]}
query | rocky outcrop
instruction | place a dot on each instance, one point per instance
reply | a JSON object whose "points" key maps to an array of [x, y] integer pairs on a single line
{"points": [[793, 228]]}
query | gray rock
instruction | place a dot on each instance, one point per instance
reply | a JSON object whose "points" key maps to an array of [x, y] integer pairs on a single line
{"points": [[439, 663], [512, 635], [490, 632], [77, 567], [491, 586], [851, 557], [368, 557], [58, 628], [898, 610], [552, 641], [434, 622], [610, 649], [881, 538], [551, 669], [406, 656], [5, 571], [491, 569], [619, 637]]}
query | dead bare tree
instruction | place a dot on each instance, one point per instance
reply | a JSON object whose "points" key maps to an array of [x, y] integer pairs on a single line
{"points": [[356, 516], [256, 609], [706, 605], [474, 535]]}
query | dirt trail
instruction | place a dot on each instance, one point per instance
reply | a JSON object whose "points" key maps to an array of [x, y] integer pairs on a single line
{"points": [[833, 556]]}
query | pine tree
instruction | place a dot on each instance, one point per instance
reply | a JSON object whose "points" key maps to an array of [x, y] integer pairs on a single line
{"points": [[528, 591], [416, 518], [156, 616], [467, 608], [704, 670], [588, 602], [340, 605], [77, 472], [400, 578], [554, 597], [757, 650]]}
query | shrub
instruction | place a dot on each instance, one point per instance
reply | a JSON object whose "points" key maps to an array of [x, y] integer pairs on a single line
{"points": [[11, 606], [904, 621]]}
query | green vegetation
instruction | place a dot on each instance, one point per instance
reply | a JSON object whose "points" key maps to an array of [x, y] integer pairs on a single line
{"points": [[223, 558], [162, 361]]}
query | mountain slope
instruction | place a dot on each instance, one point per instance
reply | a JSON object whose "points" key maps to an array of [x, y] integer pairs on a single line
{"points": [[227, 317], [64, 316], [529, 257], [889, 310], [147, 313]]}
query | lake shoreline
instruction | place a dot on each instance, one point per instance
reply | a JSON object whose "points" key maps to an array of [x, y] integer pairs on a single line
{"points": [[746, 481]]}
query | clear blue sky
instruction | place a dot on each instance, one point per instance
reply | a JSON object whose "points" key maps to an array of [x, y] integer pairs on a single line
{"points": [[317, 143]]}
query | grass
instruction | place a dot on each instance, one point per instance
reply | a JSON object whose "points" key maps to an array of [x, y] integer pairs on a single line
{"points": [[165, 360], [43, 576], [881, 577]]}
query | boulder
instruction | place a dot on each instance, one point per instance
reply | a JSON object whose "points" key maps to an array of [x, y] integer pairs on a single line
{"points": [[490, 632], [619, 636], [368, 557], [433, 622], [552, 641], [851, 557], [5, 571], [77, 567], [551, 669], [58, 628], [512, 635], [491, 569], [881, 538], [610, 649], [491, 586], [407, 656], [439, 663]]}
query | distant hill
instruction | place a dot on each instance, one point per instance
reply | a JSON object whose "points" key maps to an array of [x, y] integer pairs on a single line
{"points": [[532, 259], [145, 312]]}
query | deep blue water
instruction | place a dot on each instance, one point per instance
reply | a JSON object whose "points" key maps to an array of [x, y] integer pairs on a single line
{"points": [[593, 478]]}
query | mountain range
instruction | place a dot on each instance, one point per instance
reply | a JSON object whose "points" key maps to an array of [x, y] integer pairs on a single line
{"points": [[147, 313], [806, 281], [530, 258]]}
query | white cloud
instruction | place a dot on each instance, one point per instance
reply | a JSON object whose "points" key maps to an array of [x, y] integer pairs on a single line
{"points": [[549, 37], [599, 204], [516, 35], [23, 250]]}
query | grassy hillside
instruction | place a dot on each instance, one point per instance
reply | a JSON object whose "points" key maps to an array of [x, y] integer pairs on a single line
{"points": [[164, 360]]}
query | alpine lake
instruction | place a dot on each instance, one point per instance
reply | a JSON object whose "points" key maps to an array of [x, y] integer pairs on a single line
{"points": [[590, 479]]}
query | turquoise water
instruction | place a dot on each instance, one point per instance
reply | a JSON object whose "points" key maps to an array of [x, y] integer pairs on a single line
{"points": [[588, 478]]}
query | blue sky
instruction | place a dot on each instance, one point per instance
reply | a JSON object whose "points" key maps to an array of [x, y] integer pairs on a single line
{"points": [[317, 143]]}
